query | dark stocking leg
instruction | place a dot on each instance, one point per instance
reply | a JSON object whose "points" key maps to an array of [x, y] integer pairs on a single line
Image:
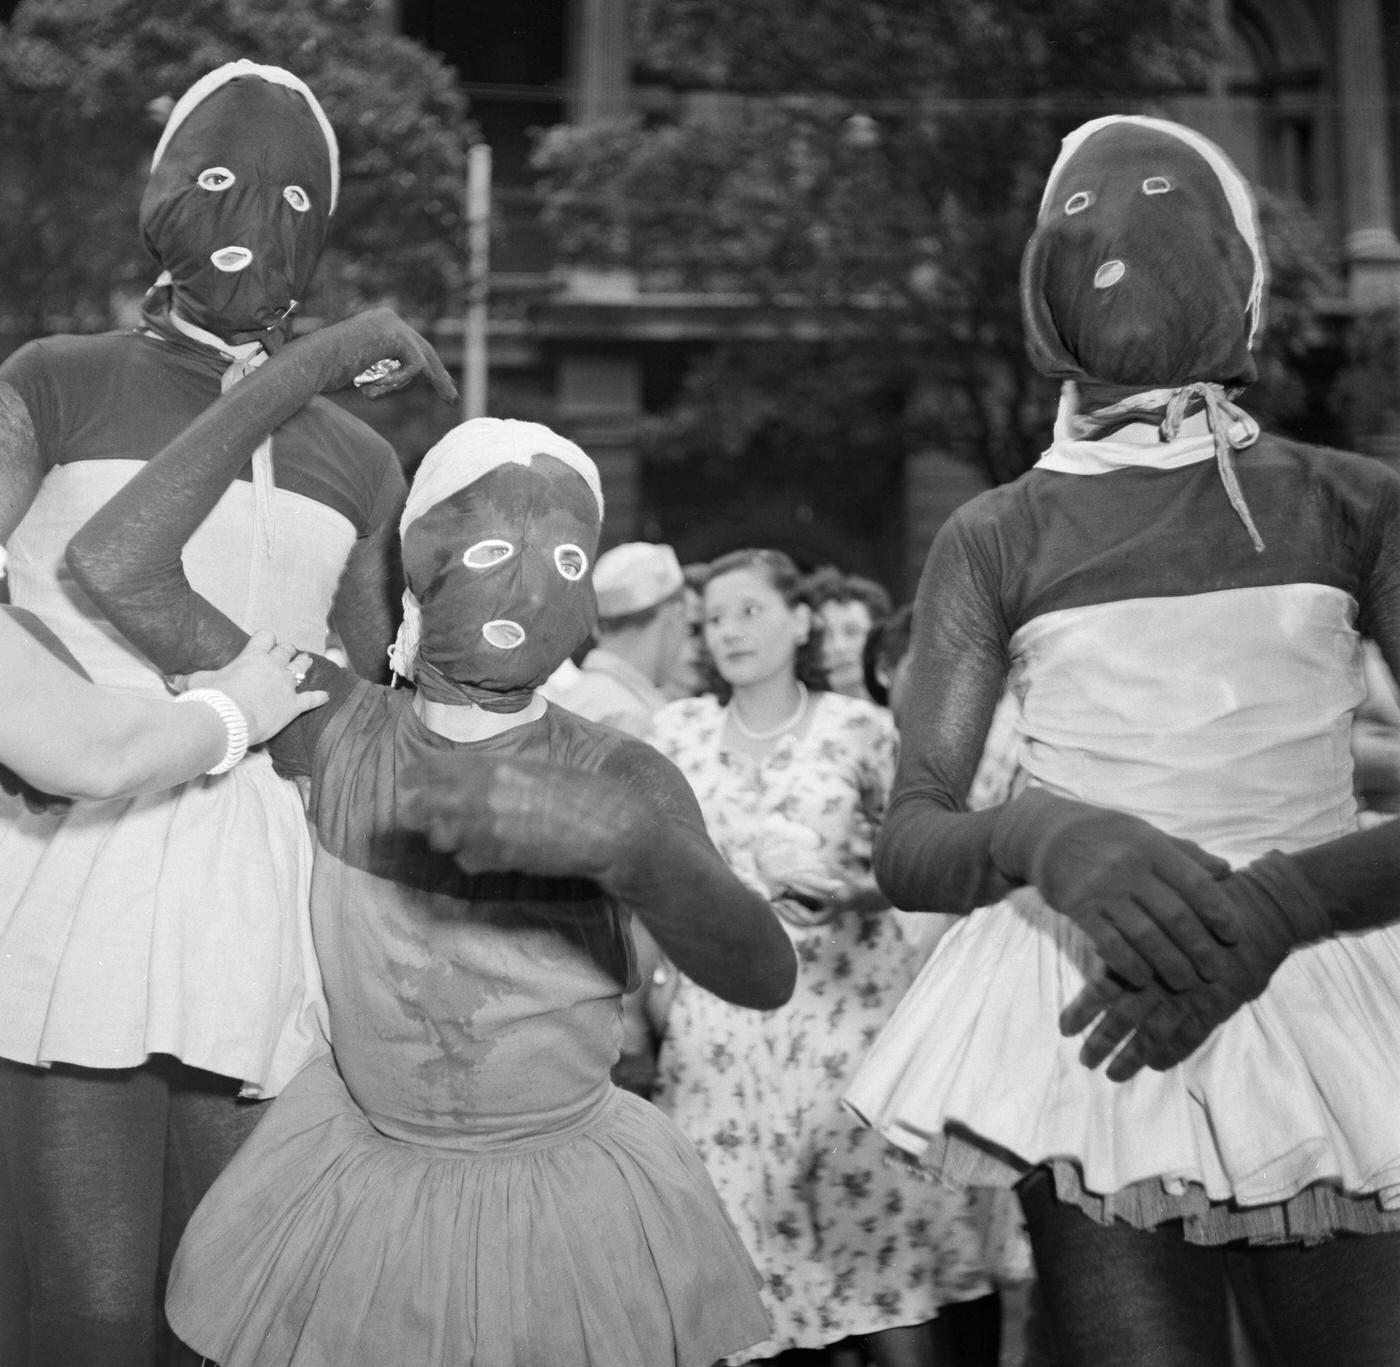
{"points": [[85, 1153], [1122, 1297], [1335, 1303], [207, 1123]]}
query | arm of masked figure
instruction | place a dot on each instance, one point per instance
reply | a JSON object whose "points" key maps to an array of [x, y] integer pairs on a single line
{"points": [[127, 556], [1148, 902], [65, 735], [366, 609], [636, 830]]}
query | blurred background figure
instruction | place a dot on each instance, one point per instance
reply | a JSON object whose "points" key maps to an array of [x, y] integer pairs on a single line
{"points": [[690, 673], [641, 633], [885, 660], [849, 605], [792, 779]]}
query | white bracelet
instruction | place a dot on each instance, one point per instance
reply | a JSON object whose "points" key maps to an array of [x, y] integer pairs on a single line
{"points": [[235, 723]]}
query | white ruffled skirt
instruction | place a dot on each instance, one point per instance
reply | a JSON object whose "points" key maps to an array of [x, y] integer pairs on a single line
{"points": [[1284, 1125]]}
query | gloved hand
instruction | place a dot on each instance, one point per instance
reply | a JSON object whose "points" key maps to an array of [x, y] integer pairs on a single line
{"points": [[1275, 909], [1148, 902], [493, 814], [342, 351]]}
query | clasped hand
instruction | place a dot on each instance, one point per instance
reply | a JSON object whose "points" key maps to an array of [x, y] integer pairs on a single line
{"points": [[1275, 909], [493, 814], [1150, 904]]}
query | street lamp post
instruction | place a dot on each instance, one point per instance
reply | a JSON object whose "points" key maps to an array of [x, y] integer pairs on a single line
{"points": [[478, 280]]}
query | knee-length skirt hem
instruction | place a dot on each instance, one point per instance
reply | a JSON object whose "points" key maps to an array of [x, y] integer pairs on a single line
{"points": [[1283, 1127], [327, 1243], [169, 923]]}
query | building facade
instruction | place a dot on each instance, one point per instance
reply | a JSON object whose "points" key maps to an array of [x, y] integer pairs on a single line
{"points": [[1304, 95]]}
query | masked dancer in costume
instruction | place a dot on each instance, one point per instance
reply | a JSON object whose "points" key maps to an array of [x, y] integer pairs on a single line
{"points": [[154, 953], [1179, 602], [461, 1182]]}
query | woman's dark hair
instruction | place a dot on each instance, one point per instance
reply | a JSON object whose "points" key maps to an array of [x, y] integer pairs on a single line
{"points": [[885, 646], [827, 584], [781, 573]]}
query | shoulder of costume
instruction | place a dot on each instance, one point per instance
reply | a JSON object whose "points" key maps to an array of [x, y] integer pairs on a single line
{"points": [[65, 349], [1331, 462], [325, 409]]}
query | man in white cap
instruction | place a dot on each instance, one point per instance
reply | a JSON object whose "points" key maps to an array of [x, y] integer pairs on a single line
{"points": [[641, 630]]}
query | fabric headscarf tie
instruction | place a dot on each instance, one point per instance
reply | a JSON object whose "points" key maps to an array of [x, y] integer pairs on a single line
{"points": [[1231, 427], [264, 480]]}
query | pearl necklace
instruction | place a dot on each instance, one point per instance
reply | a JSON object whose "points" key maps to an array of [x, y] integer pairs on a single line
{"points": [[750, 734]]}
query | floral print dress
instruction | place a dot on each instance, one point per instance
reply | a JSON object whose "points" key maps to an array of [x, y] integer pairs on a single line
{"points": [[848, 1242]]}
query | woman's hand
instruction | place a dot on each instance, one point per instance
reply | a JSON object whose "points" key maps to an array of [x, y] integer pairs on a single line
{"points": [[263, 679], [815, 897]]}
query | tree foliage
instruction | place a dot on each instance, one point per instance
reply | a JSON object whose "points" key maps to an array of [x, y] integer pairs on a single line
{"points": [[83, 93], [871, 170]]}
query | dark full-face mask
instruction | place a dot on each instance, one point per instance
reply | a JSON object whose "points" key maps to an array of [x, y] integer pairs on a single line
{"points": [[1145, 268], [502, 571], [239, 199]]}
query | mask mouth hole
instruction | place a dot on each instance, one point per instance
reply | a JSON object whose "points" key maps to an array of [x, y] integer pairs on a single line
{"points": [[504, 634], [1109, 274], [231, 259]]}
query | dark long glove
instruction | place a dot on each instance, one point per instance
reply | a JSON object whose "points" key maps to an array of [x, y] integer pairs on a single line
{"points": [[127, 556], [1276, 908], [492, 814], [1148, 902]]}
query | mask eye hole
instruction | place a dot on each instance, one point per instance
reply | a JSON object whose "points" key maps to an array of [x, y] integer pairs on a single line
{"points": [[571, 562], [1156, 185], [216, 178], [297, 198], [1077, 203], [487, 553]]}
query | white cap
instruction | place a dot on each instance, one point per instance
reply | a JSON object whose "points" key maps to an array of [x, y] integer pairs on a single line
{"points": [[635, 576]]}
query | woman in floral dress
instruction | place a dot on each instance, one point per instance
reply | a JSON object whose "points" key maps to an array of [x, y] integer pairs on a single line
{"points": [[792, 780]]}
